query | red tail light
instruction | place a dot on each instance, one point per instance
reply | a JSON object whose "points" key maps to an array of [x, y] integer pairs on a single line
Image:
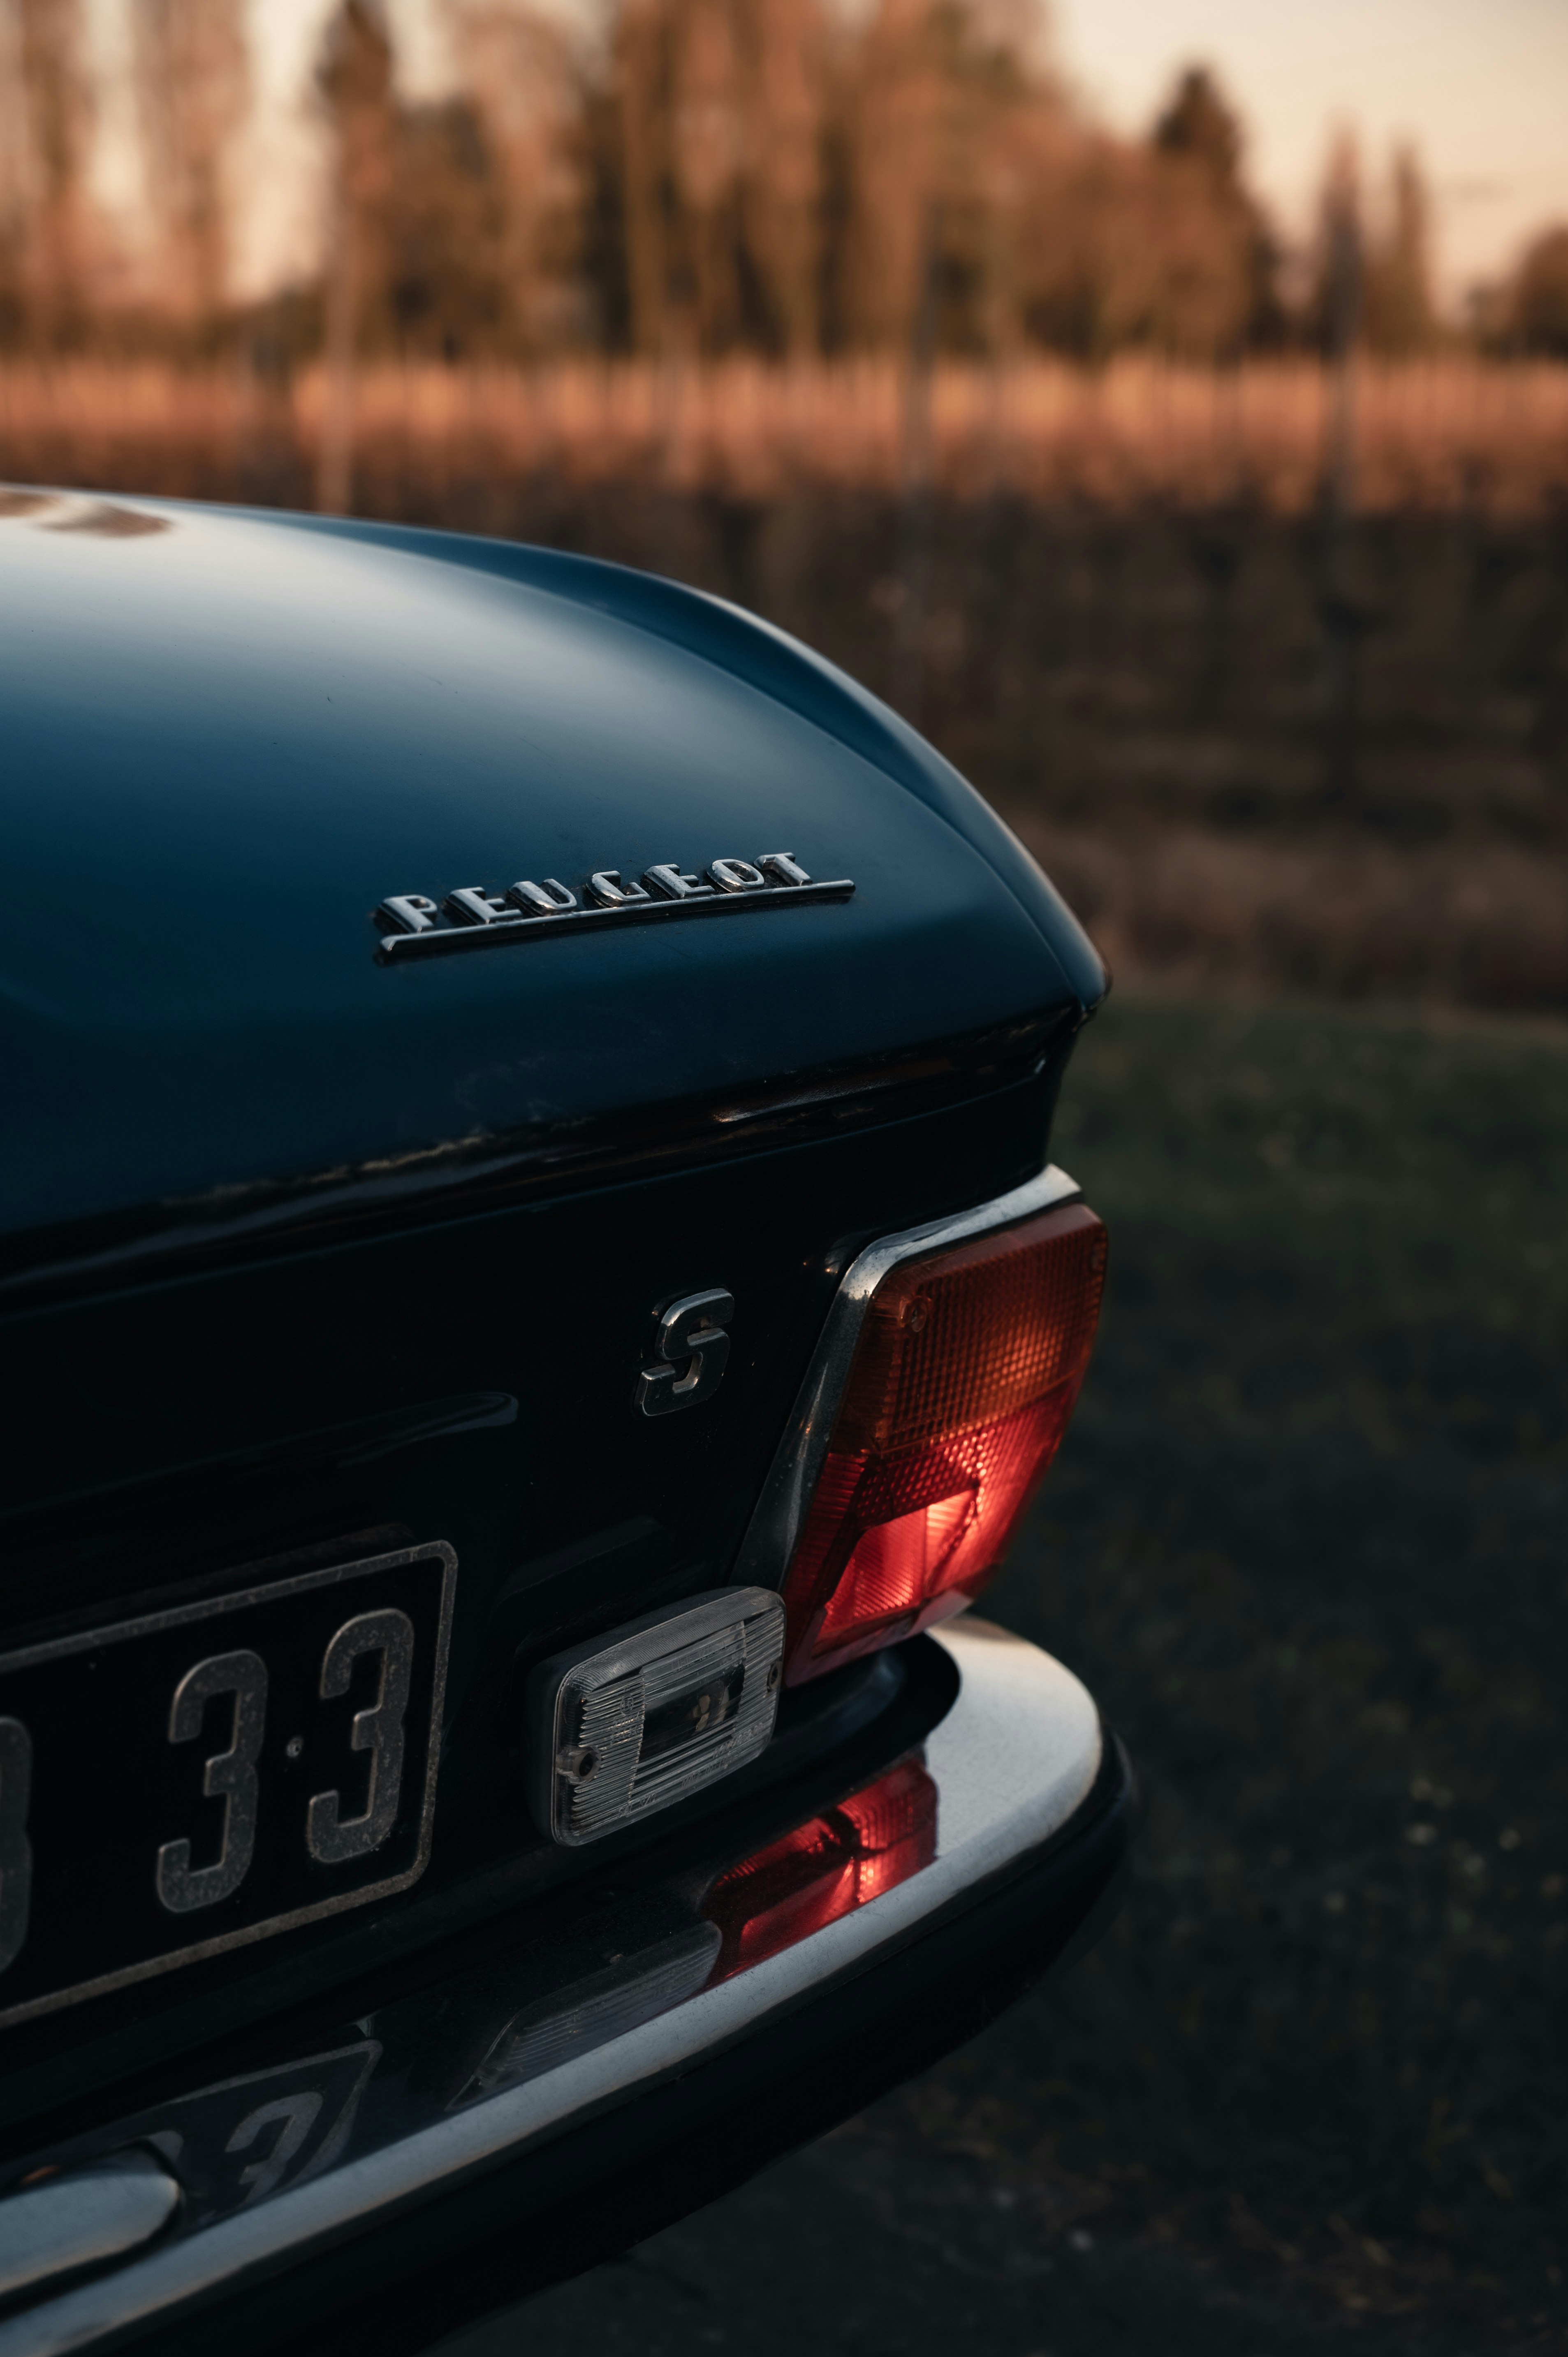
{"points": [[825, 1868], [968, 1364]]}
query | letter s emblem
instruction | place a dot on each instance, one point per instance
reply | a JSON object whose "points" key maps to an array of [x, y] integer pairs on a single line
{"points": [[692, 1347]]}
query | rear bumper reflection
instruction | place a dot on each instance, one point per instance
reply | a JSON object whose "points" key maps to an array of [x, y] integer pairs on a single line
{"points": [[826, 1867], [643, 1974]]}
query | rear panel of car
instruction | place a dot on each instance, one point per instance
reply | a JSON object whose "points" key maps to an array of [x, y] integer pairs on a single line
{"points": [[307, 1262]]}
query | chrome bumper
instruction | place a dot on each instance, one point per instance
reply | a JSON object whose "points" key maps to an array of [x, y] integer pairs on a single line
{"points": [[1015, 1761]]}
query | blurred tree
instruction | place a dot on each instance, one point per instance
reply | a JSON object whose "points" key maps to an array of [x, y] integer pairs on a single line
{"points": [[601, 237], [1158, 243], [947, 119], [782, 176], [445, 290], [193, 95], [1398, 313], [453, 224], [1091, 274], [354, 78], [1338, 296], [521, 79], [1221, 290], [51, 226], [1198, 125], [1333, 303], [13, 181], [1536, 313], [718, 124], [1372, 286]]}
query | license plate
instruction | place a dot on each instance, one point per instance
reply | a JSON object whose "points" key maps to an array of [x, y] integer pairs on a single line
{"points": [[186, 1782]]}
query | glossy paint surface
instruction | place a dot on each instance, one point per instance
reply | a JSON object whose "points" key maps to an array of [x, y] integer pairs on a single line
{"points": [[227, 736], [303, 1258]]}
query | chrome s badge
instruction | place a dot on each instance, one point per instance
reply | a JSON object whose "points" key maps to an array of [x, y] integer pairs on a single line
{"points": [[630, 1723], [472, 917], [692, 1347]]}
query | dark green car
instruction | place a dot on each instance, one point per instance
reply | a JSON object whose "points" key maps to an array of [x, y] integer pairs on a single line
{"points": [[532, 1295]]}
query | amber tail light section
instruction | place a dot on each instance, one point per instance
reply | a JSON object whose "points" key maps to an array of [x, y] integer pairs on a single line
{"points": [[968, 1364], [825, 1868]]}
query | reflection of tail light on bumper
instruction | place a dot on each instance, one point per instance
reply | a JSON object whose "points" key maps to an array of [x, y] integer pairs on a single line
{"points": [[825, 1868], [964, 1374]]}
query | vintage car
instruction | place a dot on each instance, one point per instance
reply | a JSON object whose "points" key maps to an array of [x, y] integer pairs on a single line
{"points": [[533, 1294]]}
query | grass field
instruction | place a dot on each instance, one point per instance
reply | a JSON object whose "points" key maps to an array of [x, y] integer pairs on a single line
{"points": [[1431, 436], [1307, 1546]]}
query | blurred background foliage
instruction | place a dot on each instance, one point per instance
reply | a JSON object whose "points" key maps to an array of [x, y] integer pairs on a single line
{"points": [[775, 176]]}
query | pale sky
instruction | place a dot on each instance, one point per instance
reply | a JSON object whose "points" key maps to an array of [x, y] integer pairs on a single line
{"points": [[1481, 86]]}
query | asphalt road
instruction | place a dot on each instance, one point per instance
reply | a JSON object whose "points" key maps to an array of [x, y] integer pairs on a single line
{"points": [[854, 2246]]}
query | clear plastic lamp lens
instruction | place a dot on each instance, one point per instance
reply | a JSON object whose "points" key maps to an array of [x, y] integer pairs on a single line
{"points": [[635, 1721], [966, 1371]]}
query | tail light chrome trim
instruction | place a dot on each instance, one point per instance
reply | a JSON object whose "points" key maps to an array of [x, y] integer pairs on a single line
{"points": [[775, 1529]]}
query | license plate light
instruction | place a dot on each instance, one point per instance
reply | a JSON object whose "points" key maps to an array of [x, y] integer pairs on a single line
{"points": [[628, 1724]]}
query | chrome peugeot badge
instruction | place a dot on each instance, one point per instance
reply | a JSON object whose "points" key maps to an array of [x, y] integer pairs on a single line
{"points": [[474, 917]]}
